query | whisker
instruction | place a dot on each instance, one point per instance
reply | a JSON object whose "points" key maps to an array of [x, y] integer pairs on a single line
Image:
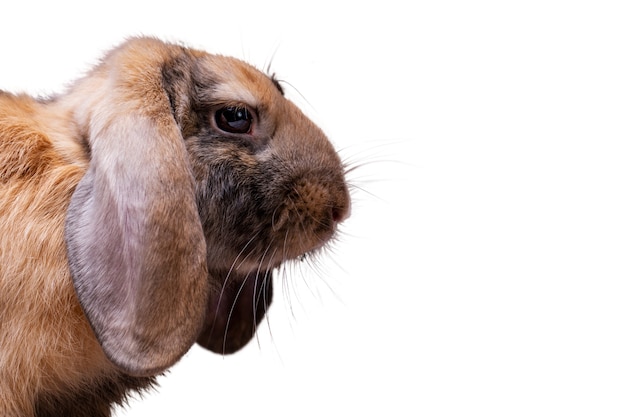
{"points": [[268, 64], [295, 294], [232, 266], [230, 313], [351, 166], [297, 91], [245, 258], [242, 251], [285, 279], [225, 283], [322, 276], [262, 297], [366, 191], [301, 218], [256, 281]]}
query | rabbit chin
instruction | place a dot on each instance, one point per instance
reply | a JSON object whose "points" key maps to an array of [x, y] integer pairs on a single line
{"points": [[292, 245], [274, 258]]}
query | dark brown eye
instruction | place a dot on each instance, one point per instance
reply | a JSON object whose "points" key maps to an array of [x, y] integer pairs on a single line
{"points": [[234, 119]]}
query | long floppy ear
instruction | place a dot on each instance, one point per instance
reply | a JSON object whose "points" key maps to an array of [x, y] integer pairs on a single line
{"points": [[233, 315], [136, 250]]}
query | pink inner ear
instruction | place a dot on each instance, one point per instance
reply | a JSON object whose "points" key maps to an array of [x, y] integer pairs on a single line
{"points": [[234, 314], [136, 248]]}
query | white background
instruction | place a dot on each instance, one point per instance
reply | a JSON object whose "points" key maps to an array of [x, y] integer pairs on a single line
{"points": [[483, 269]]}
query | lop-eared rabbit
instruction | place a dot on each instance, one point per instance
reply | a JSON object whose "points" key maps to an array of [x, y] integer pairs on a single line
{"points": [[143, 211]]}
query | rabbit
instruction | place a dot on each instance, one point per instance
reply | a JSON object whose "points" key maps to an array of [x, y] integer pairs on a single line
{"points": [[143, 211]]}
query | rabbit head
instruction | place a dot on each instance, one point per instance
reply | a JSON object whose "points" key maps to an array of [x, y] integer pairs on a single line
{"points": [[202, 178]]}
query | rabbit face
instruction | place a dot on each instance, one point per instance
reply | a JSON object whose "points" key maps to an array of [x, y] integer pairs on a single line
{"points": [[202, 178], [269, 185]]}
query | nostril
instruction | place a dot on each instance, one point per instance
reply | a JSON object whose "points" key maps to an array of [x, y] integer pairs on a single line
{"points": [[337, 214], [340, 213], [341, 206]]}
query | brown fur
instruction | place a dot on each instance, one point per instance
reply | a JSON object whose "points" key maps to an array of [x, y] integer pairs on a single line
{"points": [[46, 342], [132, 227]]}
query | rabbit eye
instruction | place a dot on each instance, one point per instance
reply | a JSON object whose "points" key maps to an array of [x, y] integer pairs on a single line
{"points": [[234, 119]]}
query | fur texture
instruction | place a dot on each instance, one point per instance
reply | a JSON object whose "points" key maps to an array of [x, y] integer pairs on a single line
{"points": [[143, 211]]}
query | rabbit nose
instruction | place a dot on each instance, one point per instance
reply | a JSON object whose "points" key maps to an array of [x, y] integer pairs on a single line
{"points": [[338, 215], [314, 206], [341, 210]]}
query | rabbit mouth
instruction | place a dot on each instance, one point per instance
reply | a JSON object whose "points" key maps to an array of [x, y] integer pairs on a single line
{"points": [[305, 221], [309, 217]]}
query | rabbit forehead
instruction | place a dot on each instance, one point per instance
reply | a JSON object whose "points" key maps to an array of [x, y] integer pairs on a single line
{"points": [[236, 81]]}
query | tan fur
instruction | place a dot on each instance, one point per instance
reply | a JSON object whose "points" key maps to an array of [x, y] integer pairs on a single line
{"points": [[46, 342], [87, 315]]}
